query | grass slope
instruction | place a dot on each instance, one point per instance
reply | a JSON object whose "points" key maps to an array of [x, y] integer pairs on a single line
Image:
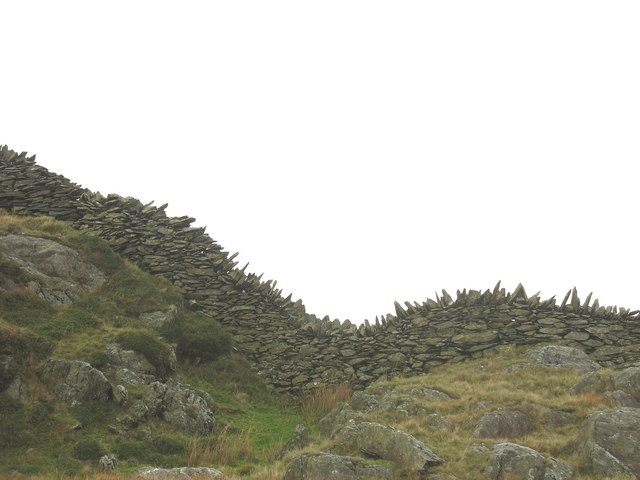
{"points": [[37, 439], [37, 436]]}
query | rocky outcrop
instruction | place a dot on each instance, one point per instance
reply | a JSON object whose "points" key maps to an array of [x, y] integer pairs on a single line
{"points": [[129, 367], [503, 423], [178, 405], [609, 442], [51, 270], [334, 467], [76, 381], [621, 389], [183, 473], [396, 446], [515, 462], [343, 415], [558, 356]]}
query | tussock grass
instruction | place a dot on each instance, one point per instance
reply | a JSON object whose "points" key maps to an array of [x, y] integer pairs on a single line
{"points": [[224, 448], [317, 402]]}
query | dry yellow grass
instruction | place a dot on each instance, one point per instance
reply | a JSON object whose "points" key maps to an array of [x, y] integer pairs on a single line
{"points": [[224, 448], [319, 401]]}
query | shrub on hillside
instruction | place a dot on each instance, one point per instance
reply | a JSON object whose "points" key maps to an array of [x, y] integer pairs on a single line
{"points": [[154, 350], [88, 449], [198, 338]]}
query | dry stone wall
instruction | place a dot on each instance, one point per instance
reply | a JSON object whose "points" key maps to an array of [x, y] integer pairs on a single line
{"points": [[289, 347]]}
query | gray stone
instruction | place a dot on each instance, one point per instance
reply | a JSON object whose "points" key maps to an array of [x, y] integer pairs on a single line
{"points": [[503, 423], [396, 446], [182, 473], [342, 415], [628, 380], [609, 442], [120, 395], [619, 398], [158, 319], [55, 272], [436, 422], [558, 356], [515, 462], [299, 440], [334, 467], [591, 383], [76, 381], [128, 359], [17, 390], [178, 405], [108, 463]]}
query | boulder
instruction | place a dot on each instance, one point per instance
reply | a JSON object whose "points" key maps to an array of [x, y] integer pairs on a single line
{"points": [[396, 446], [609, 442], [515, 462], [336, 420], [158, 319], [558, 356], [628, 381], [76, 381], [400, 401], [619, 398], [51, 270], [590, 383], [334, 467], [17, 390], [181, 473], [178, 405], [503, 423], [438, 423], [299, 440], [129, 367]]}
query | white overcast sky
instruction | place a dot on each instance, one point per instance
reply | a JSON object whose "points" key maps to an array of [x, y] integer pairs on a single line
{"points": [[359, 152]]}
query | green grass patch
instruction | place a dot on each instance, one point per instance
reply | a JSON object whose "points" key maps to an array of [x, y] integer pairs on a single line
{"points": [[198, 338], [149, 345]]}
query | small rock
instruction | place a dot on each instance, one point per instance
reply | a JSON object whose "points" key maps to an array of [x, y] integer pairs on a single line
{"points": [[436, 422], [590, 383], [158, 319], [181, 473], [17, 390], [619, 398], [503, 423], [108, 463], [299, 440], [120, 395], [479, 449]]}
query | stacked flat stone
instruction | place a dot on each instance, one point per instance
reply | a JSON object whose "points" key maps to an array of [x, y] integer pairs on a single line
{"points": [[290, 348]]}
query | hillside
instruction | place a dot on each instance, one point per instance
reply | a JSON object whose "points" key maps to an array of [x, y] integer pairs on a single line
{"points": [[113, 318], [136, 399], [129, 335]]}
